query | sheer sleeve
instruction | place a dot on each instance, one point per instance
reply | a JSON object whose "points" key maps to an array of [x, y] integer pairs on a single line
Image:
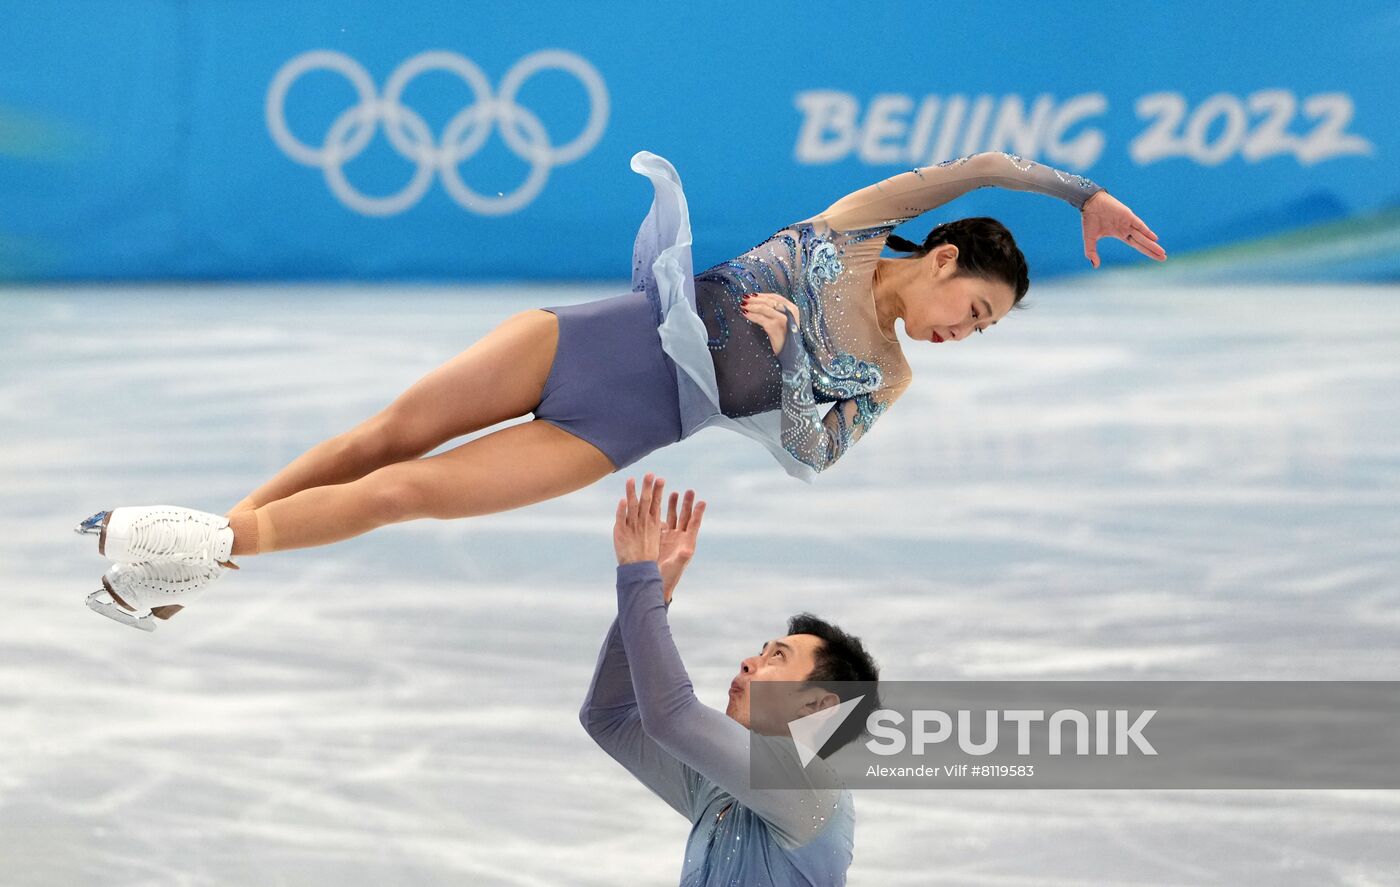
{"points": [[809, 436], [710, 741], [904, 196]]}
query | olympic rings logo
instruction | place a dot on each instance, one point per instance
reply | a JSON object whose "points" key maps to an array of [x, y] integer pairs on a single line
{"points": [[408, 133]]}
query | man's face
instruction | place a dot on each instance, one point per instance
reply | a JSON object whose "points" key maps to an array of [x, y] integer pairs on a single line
{"points": [[791, 658]]}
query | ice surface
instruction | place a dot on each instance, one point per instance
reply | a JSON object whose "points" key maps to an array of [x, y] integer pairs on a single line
{"points": [[1128, 481]]}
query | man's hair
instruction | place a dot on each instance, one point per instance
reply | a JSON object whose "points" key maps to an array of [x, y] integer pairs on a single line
{"points": [[845, 668]]}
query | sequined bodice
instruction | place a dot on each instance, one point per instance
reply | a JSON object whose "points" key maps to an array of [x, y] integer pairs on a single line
{"points": [[828, 275], [825, 265]]}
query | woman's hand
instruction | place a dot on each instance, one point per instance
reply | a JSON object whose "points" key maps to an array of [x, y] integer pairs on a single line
{"points": [[678, 536], [637, 529], [1104, 216], [767, 310]]}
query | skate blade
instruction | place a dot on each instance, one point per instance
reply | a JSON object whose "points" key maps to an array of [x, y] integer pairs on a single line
{"points": [[93, 525], [100, 601]]}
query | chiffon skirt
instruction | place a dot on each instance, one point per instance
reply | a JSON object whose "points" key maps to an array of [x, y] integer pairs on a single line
{"points": [[662, 268]]}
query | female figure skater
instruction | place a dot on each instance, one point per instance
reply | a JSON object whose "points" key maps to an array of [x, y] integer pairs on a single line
{"points": [[754, 344]]}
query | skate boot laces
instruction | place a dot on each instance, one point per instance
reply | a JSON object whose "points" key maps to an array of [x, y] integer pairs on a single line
{"points": [[164, 533]]}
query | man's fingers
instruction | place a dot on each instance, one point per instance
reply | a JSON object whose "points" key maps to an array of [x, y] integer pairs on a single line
{"points": [[695, 518], [686, 508], [644, 503], [671, 511], [631, 497], [654, 506]]}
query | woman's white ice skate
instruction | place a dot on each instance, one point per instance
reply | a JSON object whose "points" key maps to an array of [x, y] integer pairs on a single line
{"points": [[160, 534], [130, 591]]}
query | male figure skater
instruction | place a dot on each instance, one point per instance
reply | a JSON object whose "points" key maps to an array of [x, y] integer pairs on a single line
{"points": [[642, 710]]}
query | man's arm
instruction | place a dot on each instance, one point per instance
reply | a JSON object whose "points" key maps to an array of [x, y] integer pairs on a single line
{"points": [[610, 716], [706, 740]]}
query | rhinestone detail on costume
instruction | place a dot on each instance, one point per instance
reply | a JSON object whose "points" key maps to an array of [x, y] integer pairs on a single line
{"points": [[838, 351]]}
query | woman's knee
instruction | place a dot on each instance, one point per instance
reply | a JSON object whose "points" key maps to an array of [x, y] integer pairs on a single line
{"points": [[390, 436], [394, 495]]}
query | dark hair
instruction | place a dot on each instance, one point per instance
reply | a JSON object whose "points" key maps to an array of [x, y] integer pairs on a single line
{"points": [[985, 249], [845, 668]]}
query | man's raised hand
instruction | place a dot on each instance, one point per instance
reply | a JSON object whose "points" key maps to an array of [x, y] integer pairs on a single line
{"points": [[678, 537], [637, 529]]}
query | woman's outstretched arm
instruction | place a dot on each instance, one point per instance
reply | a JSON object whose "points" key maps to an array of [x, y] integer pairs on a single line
{"points": [[909, 194]]}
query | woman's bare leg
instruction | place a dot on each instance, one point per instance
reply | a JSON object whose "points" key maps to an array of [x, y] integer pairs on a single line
{"points": [[500, 377], [524, 463]]}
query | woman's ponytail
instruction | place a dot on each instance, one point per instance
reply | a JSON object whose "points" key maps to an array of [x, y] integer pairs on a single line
{"points": [[985, 249], [899, 244]]}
